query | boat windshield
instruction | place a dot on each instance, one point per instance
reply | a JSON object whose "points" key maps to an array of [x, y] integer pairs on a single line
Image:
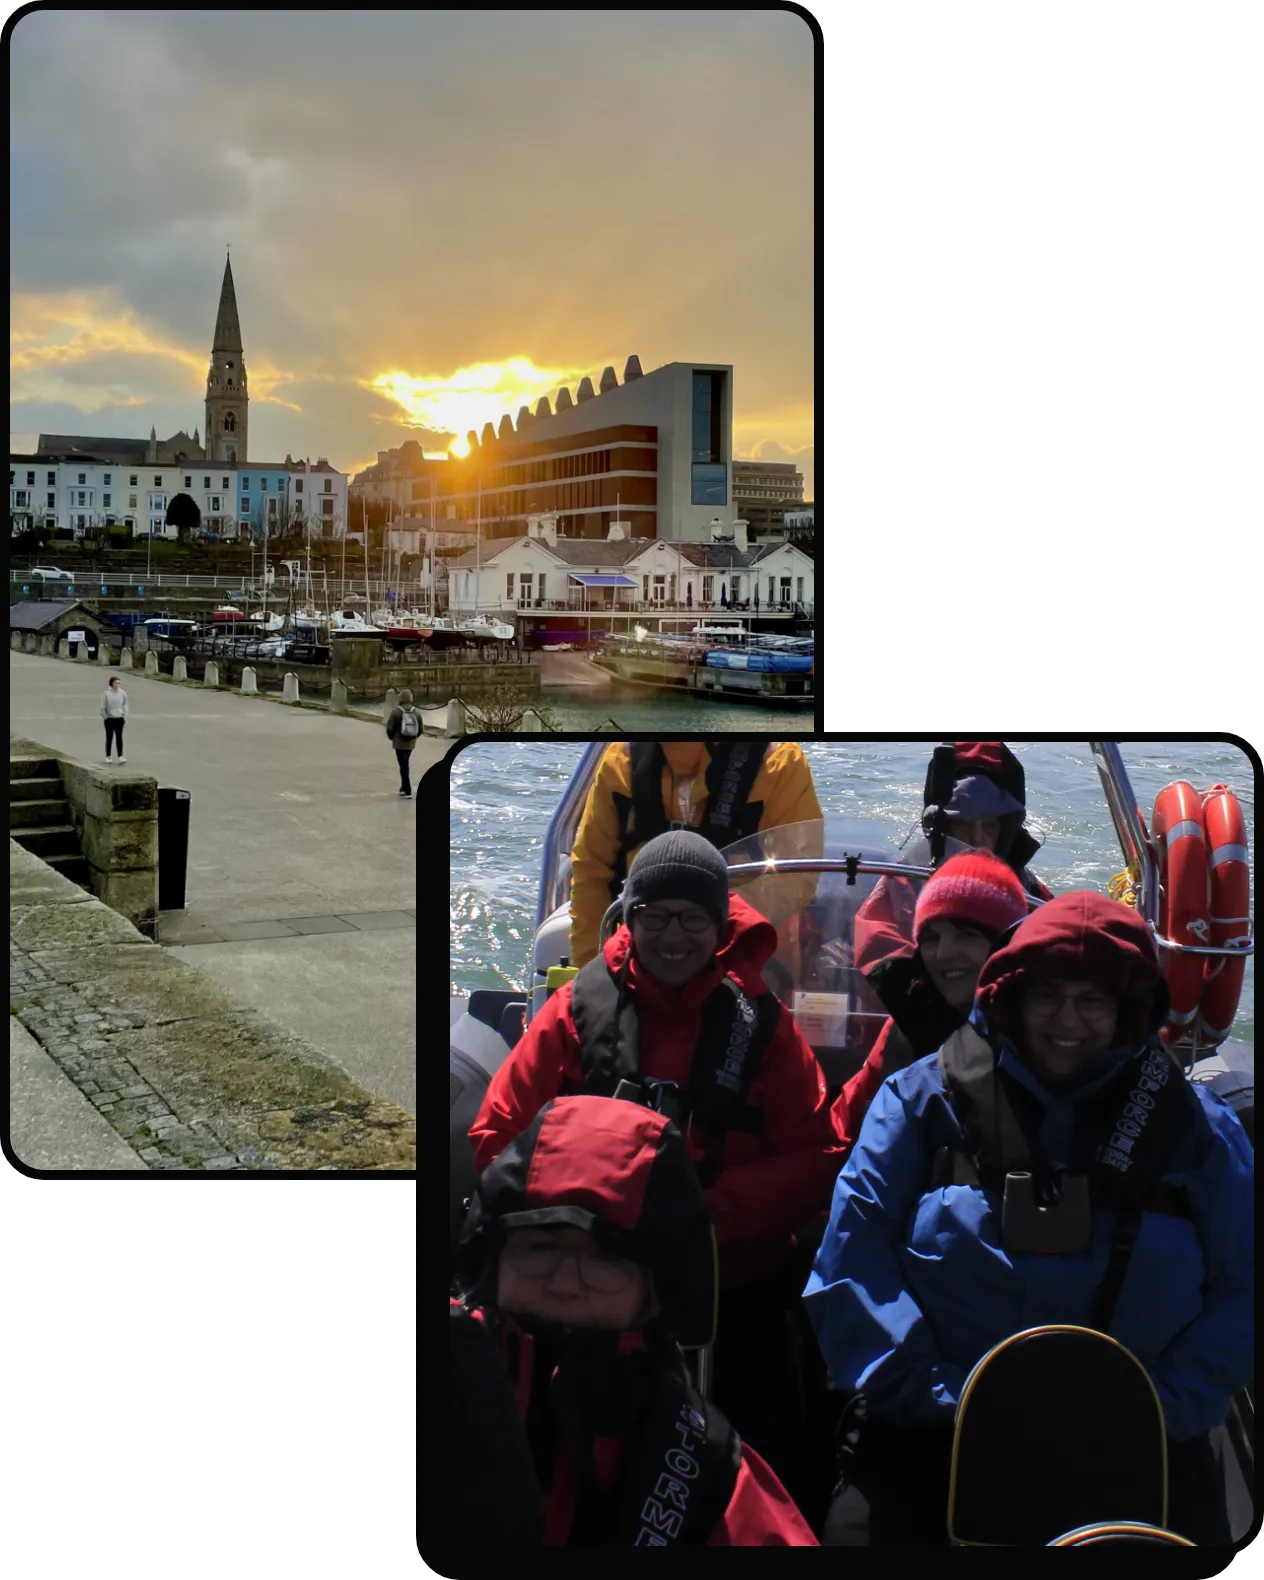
{"points": [[841, 900]]}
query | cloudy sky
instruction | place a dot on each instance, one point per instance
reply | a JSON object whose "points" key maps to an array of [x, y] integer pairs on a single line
{"points": [[434, 217]]}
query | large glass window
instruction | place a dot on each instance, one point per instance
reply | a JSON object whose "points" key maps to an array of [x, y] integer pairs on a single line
{"points": [[710, 484], [706, 415]]}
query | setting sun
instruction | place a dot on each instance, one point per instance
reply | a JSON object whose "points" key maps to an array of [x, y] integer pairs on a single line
{"points": [[469, 397]]}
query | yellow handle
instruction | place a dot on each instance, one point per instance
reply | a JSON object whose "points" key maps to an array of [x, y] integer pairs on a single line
{"points": [[556, 975]]}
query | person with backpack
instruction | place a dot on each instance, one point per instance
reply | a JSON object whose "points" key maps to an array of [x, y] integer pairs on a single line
{"points": [[674, 1012], [403, 730], [589, 1257], [724, 789], [1056, 1099]]}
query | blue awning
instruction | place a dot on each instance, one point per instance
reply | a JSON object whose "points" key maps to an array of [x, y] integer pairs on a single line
{"points": [[603, 581]]}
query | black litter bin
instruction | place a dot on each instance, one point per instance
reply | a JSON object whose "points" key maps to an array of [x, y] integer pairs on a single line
{"points": [[173, 848]]}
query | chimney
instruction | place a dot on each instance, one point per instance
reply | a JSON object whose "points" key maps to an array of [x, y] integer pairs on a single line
{"points": [[740, 529], [618, 532], [586, 390], [608, 380], [544, 527], [631, 369], [717, 530], [564, 401]]}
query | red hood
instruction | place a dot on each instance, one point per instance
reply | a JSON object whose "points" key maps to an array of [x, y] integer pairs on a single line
{"points": [[623, 1173], [1081, 936], [744, 956]]}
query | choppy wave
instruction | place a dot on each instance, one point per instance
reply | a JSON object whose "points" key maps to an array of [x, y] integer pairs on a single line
{"points": [[504, 793]]}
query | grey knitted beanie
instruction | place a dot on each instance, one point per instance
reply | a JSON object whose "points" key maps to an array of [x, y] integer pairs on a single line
{"points": [[679, 865]]}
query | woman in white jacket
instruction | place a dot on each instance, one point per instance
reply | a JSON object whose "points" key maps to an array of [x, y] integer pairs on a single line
{"points": [[114, 712]]}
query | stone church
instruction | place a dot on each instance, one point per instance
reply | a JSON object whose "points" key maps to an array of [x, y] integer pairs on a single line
{"points": [[227, 409]]}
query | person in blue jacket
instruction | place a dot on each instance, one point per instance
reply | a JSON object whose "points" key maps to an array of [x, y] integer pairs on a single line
{"points": [[1058, 1072]]}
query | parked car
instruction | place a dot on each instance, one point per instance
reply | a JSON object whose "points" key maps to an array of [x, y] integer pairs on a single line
{"points": [[50, 573]]}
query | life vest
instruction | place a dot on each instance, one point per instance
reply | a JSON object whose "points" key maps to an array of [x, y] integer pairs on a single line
{"points": [[729, 814], [736, 1029], [680, 1459], [922, 1016], [1132, 1129]]}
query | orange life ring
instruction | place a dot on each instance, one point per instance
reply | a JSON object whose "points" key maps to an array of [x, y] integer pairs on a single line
{"points": [[1228, 910], [1178, 830]]}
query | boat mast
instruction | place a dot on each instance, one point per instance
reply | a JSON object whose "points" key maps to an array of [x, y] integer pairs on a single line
{"points": [[478, 547]]}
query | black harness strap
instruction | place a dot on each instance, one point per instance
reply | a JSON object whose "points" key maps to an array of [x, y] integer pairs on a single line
{"points": [[729, 814], [736, 1029], [679, 1475]]}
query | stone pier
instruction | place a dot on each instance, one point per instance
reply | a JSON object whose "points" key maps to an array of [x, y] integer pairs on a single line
{"points": [[151, 663], [126, 659], [179, 669], [338, 697], [289, 687], [211, 675], [248, 683]]}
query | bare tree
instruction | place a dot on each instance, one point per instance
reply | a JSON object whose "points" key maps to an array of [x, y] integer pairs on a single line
{"points": [[501, 708]]}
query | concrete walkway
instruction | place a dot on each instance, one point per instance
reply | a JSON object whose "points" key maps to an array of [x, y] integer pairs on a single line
{"points": [[295, 819], [52, 1125]]}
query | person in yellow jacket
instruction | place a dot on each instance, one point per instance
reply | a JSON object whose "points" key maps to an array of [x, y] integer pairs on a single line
{"points": [[725, 789]]}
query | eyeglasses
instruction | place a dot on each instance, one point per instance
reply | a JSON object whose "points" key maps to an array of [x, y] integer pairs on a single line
{"points": [[541, 1257], [1045, 1002], [658, 921]]}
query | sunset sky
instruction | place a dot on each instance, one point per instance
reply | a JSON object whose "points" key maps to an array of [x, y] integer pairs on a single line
{"points": [[434, 217]]}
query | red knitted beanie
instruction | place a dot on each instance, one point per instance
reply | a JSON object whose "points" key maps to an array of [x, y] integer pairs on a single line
{"points": [[974, 887]]}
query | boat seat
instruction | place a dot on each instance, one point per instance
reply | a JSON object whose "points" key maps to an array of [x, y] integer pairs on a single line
{"points": [[489, 1006]]}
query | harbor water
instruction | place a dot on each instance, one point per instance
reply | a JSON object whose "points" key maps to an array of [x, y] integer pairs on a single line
{"points": [[504, 793]]}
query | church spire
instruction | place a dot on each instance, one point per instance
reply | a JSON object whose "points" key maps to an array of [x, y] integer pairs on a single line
{"points": [[227, 328]]}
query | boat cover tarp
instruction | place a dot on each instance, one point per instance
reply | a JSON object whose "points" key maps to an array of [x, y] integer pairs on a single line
{"points": [[779, 663]]}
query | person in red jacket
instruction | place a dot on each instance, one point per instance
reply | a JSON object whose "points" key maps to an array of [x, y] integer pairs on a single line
{"points": [[674, 1011], [589, 1255], [961, 913], [975, 795]]}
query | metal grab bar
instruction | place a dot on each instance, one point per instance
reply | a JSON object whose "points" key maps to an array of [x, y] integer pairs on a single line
{"points": [[1229, 951]]}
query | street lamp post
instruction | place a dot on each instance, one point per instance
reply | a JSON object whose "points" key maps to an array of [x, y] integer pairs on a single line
{"points": [[478, 547]]}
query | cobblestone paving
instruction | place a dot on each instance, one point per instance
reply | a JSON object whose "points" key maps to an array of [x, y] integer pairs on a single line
{"points": [[78, 1037]]}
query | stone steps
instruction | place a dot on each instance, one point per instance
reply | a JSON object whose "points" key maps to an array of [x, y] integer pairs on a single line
{"points": [[50, 842], [35, 789], [48, 813], [39, 818], [33, 768]]}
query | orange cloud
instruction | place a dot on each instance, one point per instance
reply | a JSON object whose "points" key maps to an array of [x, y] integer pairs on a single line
{"points": [[469, 397]]}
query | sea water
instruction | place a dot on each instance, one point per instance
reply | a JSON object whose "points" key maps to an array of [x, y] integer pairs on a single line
{"points": [[504, 793]]}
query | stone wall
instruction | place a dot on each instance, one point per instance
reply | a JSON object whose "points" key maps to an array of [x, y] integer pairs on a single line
{"points": [[117, 819], [188, 1077], [116, 816]]}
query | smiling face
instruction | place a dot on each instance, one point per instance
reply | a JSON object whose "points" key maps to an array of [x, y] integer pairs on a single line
{"points": [[1066, 1024], [953, 954], [560, 1275], [674, 940]]}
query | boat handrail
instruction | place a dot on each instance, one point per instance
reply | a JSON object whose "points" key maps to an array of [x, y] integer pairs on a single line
{"points": [[1120, 798], [562, 828]]}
